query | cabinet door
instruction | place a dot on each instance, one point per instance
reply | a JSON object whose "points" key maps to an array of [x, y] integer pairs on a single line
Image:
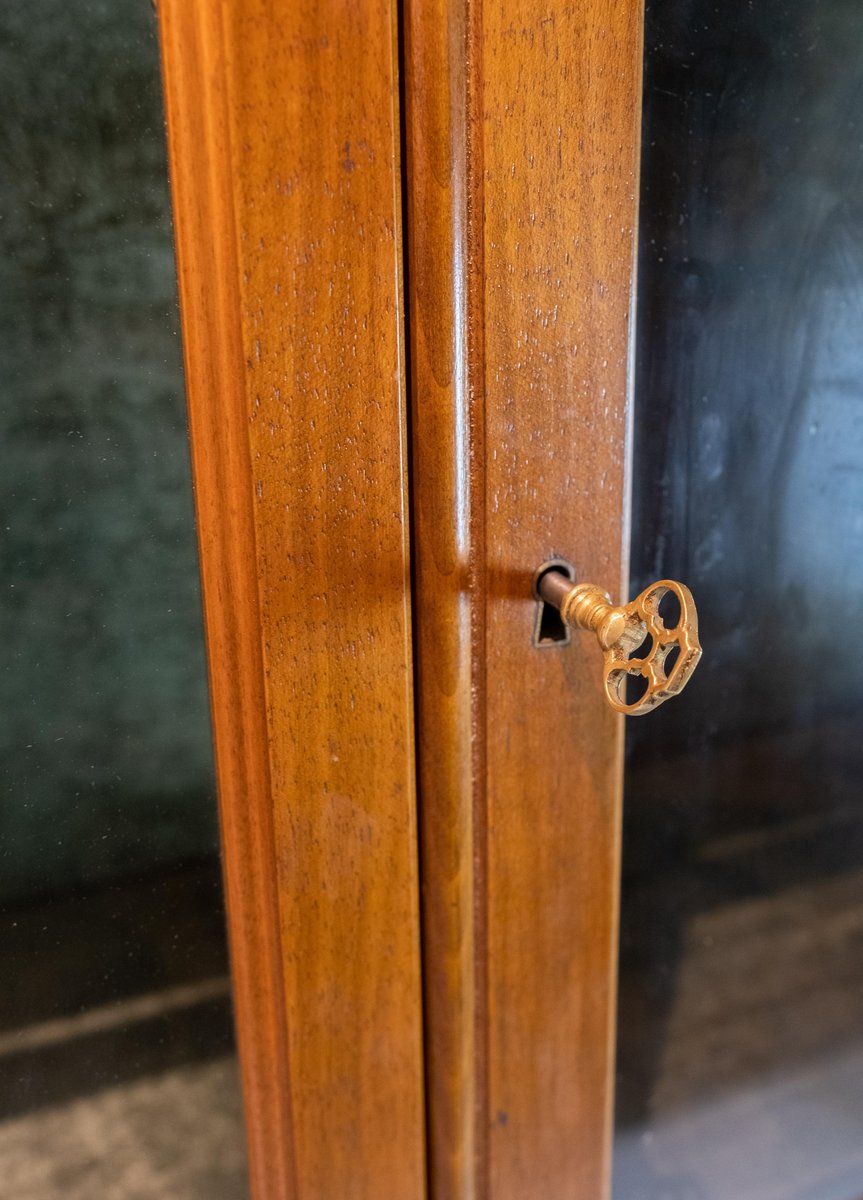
{"points": [[523, 131], [284, 145], [740, 1023]]}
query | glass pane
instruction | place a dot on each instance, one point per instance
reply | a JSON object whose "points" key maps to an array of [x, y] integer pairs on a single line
{"points": [[740, 1065], [117, 1074]]}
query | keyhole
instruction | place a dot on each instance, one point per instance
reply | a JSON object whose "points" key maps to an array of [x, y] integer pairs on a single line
{"points": [[549, 629]]}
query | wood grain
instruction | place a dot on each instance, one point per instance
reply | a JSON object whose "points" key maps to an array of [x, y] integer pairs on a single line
{"points": [[446, 358], [523, 136], [284, 136]]}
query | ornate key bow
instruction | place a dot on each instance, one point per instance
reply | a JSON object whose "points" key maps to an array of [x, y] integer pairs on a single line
{"points": [[669, 658]]}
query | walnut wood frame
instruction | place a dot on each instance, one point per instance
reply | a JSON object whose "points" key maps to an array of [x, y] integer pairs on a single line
{"points": [[283, 126], [522, 135]]}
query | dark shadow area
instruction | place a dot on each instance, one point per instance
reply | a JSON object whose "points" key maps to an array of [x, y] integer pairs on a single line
{"points": [[741, 950], [111, 983]]}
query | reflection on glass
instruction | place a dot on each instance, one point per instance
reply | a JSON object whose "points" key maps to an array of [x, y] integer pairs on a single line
{"points": [[115, 1032], [740, 1064]]}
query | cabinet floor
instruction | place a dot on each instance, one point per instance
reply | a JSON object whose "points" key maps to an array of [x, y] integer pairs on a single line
{"points": [[143, 1140], [748, 1083]]}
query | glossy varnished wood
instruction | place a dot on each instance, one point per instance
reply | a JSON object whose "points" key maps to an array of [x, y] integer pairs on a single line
{"points": [[283, 131], [448, 517], [523, 131]]}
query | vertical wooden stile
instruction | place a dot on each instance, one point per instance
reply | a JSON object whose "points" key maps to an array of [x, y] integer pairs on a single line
{"points": [[284, 147], [523, 128]]}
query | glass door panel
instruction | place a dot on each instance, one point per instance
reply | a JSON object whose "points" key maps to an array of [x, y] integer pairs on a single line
{"points": [[740, 1043], [116, 1045]]}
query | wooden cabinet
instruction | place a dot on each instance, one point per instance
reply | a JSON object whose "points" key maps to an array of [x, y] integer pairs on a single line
{"points": [[406, 250]]}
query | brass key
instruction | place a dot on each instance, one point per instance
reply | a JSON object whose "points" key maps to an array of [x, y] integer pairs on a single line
{"points": [[621, 630]]}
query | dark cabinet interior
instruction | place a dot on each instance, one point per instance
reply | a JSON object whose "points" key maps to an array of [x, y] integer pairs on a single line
{"points": [[742, 937]]}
